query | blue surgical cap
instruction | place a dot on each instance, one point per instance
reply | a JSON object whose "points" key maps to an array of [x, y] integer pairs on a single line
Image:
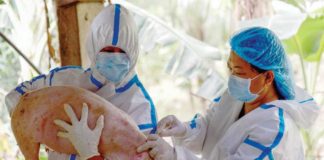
{"points": [[262, 48]]}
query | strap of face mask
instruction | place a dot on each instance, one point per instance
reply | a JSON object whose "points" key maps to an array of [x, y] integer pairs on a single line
{"points": [[256, 76], [262, 87]]}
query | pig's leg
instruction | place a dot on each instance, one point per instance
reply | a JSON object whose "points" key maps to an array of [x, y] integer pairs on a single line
{"points": [[31, 151], [29, 148]]}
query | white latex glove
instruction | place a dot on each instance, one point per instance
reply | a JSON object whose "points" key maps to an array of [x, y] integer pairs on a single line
{"points": [[52, 155], [158, 148], [171, 126], [84, 140]]}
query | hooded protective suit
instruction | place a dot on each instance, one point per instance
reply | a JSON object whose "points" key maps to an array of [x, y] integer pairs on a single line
{"points": [[115, 27], [268, 132]]}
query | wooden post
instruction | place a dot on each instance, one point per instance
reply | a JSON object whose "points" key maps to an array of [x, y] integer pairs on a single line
{"points": [[74, 19]]}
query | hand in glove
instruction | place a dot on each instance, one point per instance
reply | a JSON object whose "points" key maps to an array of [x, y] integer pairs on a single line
{"points": [[171, 126], [158, 148], [84, 140]]}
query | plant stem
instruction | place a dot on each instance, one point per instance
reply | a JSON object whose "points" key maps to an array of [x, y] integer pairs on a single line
{"points": [[300, 53], [318, 64], [51, 50], [19, 52]]}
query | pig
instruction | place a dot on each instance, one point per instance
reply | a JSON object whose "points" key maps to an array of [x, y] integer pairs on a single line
{"points": [[32, 123]]}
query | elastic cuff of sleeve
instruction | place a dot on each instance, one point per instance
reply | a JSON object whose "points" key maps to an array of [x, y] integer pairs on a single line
{"points": [[188, 133]]}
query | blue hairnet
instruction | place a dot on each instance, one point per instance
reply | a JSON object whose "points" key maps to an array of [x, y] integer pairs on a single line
{"points": [[263, 49]]}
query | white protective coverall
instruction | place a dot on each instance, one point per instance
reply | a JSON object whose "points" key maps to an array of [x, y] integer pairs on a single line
{"points": [[268, 132], [113, 26]]}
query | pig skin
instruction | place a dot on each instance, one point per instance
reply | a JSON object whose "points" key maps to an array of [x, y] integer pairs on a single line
{"points": [[32, 123]]}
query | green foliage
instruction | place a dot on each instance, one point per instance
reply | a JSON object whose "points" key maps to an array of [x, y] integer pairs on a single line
{"points": [[309, 40]]}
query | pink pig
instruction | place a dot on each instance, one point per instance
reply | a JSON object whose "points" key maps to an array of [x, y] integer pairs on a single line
{"points": [[32, 123]]}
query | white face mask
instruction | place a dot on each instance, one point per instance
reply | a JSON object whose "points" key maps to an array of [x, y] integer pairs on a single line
{"points": [[113, 66], [239, 88]]}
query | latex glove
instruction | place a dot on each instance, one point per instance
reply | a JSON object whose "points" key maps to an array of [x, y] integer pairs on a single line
{"points": [[84, 140], [52, 155], [158, 148], [171, 126]]}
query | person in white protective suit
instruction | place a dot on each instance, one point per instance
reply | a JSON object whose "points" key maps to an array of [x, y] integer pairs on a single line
{"points": [[258, 117], [112, 45]]}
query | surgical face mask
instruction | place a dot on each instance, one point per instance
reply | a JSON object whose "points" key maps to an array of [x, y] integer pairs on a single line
{"points": [[239, 88], [113, 66]]}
